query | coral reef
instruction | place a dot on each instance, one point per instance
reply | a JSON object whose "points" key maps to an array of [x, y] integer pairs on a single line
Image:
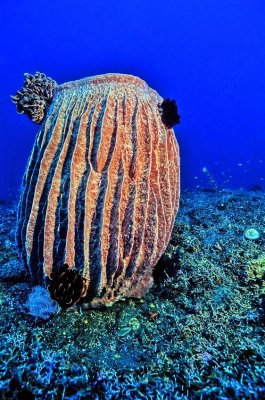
{"points": [[197, 334], [256, 269], [101, 189]]}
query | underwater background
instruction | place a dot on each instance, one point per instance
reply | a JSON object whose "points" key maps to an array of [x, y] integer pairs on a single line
{"points": [[208, 55], [199, 331]]}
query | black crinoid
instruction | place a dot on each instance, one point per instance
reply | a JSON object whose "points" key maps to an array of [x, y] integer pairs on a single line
{"points": [[169, 113], [66, 286], [34, 98]]}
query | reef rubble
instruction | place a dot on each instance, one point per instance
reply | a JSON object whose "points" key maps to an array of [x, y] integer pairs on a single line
{"points": [[197, 334]]}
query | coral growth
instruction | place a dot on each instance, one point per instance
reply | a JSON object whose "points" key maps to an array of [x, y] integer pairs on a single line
{"points": [[256, 269], [252, 234], [198, 334], [40, 304]]}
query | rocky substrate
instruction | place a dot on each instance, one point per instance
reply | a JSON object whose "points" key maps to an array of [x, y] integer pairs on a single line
{"points": [[198, 334]]}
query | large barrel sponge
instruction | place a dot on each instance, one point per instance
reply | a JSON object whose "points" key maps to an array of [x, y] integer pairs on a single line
{"points": [[101, 188]]}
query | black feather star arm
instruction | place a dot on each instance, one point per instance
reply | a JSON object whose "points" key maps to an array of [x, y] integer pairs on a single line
{"points": [[34, 98], [66, 286], [169, 113]]}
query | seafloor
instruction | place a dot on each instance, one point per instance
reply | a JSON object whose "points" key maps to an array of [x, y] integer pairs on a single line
{"points": [[198, 334]]}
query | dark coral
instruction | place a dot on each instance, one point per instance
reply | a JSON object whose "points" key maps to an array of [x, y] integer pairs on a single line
{"points": [[35, 96], [66, 286], [169, 113]]}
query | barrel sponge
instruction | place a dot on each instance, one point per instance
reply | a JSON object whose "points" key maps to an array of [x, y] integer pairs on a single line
{"points": [[101, 188]]}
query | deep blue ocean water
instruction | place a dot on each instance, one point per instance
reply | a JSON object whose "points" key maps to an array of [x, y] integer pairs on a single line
{"points": [[208, 55]]}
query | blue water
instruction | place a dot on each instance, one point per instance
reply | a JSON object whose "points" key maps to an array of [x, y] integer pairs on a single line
{"points": [[208, 55]]}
